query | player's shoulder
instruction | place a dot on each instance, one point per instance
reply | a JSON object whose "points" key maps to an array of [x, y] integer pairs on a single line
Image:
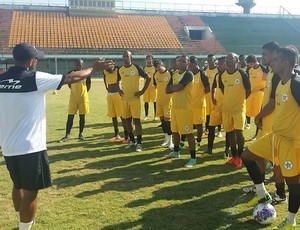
{"points": [[121, 67], [295, 80], [242, 73], [137, 66], [189, 74]]}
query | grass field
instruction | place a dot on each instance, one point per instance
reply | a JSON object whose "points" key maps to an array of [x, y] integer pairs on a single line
{"points": [[100, 185]]}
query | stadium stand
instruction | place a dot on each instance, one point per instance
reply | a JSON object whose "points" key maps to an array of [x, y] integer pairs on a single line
{"points": [[5, 24], [245, 35], [61, 33], [193, 46]]}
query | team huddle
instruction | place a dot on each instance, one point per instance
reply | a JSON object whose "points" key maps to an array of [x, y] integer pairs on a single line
{"points": [[226, 93], [186, 97]]}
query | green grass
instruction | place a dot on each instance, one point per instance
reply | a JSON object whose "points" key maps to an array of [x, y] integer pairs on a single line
{"points": [[100, 185]]}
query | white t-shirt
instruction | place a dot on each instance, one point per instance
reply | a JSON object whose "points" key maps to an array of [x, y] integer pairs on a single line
{"points": [[23, 110]]}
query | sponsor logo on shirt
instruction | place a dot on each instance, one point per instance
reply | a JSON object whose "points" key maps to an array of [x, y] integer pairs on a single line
{"points": [[284, 97], [10, 84], [237, 81], [288, 165]]}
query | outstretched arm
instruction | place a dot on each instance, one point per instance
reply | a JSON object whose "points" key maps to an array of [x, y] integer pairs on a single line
{"points": [[76, 76]]}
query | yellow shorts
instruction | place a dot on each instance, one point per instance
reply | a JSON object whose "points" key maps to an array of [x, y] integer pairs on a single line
{"points": [[285, 155], [254, 103], [182, 121], [199, 116], [150, 95], [114, 105], [233, 121], [163, 111], [131, 109], [209, 104], [215, 117], [82, 107]]}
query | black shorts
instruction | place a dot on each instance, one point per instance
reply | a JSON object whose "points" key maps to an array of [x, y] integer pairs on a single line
{"points": [[29, 171]]}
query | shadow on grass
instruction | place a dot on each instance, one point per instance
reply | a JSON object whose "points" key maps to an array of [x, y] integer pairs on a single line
{"points": [[197, 213], [139, 170]]}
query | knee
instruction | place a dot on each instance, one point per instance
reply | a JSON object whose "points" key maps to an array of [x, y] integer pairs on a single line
{"points": [[136, 121], [294, 188], [239, 133], [247, 155]]}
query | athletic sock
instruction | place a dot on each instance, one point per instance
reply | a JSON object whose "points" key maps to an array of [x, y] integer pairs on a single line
{"points": [[125, 134], [233, 151], [280, 191], [211, 136], [131, 137], [146, 106], [139, 139], [176, 148], [193, 154], [168, 127], [25, 226], [240, 151], [261, 190]]}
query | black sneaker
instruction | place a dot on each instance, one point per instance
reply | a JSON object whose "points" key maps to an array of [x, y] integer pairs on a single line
{"points": [[279, 199]]}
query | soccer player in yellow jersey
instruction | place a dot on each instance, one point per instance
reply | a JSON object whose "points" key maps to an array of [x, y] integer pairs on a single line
{"points": [[114, 102], [211, 70], [173, 68], [130, 74], [236, 87], [257, 75], [181, 87], [264, 120], [200, 89], [242, 63], [216, 112], [79, 101], [282, 145], [150, 93], [161, 79]]}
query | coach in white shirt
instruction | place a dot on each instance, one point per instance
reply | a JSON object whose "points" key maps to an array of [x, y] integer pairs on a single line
{"points": [[23, 125]]}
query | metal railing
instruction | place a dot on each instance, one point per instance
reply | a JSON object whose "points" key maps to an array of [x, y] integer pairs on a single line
{"points": [[157, 5]]}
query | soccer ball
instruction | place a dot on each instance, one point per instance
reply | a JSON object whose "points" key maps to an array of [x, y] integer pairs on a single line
{"points": [[264, 213]]}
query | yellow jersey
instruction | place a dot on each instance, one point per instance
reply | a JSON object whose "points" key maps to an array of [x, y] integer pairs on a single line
{"points": [[161, 80], [211, 73], [198, 92], [287, 111], [79, 90], [111, 78], [150, 70], [257, 80], [234, 85], [219, 95], [270, 87], [130, 77], [183, 99]]}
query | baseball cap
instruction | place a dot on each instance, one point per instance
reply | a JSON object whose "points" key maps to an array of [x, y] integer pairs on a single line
{"points": [[26, 51]]}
